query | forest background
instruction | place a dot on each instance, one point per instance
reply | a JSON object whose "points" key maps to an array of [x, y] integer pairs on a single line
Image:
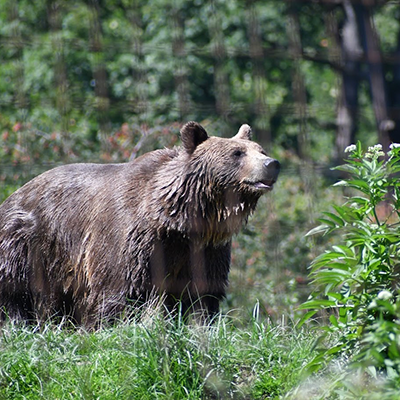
{"points": [[105, 81]]}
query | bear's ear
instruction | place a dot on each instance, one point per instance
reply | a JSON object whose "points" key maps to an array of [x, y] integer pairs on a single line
{"points": [[192, 134], [244, 133]]}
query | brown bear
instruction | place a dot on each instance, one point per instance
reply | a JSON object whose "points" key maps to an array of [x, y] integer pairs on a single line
{"points": [[86, 240]]}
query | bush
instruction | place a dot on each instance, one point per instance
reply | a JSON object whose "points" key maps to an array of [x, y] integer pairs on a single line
{"points": [[357, 279]]}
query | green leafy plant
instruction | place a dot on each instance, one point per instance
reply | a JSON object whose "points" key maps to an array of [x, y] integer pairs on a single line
{"points": [[357, 279]]}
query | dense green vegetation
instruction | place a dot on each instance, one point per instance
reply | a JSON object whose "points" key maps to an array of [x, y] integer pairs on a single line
{"points": [[357, 279], [80, 75], [156, 359]]}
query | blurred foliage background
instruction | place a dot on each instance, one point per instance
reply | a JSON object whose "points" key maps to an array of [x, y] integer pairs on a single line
{"points": [[105, 81]]}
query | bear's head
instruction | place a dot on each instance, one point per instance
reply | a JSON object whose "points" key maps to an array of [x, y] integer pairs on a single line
{"points": [[237, 164], [217, 183], [211, 185]]}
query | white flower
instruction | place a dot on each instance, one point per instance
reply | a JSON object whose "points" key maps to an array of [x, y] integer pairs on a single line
{"points": [[374, 152], [374, 149], [385, 295], [373, 304], [394, 146], [350, 149]]}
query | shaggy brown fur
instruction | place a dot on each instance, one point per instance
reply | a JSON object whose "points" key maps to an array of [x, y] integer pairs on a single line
{"points": [[84, 239]]}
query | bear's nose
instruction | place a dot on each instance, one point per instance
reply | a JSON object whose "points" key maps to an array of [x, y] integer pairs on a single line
{"points": [[272, 168]]}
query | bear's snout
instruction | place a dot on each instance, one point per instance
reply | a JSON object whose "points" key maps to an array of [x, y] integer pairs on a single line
{"points": [[271, 169], [264, 174]]}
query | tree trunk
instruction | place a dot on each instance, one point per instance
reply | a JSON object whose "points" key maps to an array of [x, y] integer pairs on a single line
{"points": [[394, 95], [347, 112], [373, 57]]}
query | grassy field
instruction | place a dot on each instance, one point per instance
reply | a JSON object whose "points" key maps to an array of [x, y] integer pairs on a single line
{"points": [[156, 358], [163, 358]]}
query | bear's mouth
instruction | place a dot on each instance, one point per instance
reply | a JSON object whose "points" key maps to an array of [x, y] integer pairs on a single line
{"points": [[263, 185]]}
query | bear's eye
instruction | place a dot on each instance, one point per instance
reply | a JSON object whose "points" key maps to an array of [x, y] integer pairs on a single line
{"points": [[238, 153]]}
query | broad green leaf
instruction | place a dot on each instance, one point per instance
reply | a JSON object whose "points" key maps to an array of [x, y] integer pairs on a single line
{"points": [[333, 277], [318, 229], [306, 317], [341, 183], [344, 266], [374, 264], [356, 184], [335, 349], [327, 222], [334, 273], [336, 296], [334, 218], [392, 238], [346, 213], [358, 199], [394, 168], [327, 258], [317, 304], [377, 355], [394, 350], [334, 321], [346, 168], [347, 251]]}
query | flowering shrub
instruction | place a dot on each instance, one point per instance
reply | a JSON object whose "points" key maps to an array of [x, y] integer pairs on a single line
{"points": [[357, 280]]}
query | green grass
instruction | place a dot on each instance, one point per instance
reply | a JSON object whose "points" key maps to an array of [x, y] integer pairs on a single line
{"points": [[154, 359], [162, 358]]}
